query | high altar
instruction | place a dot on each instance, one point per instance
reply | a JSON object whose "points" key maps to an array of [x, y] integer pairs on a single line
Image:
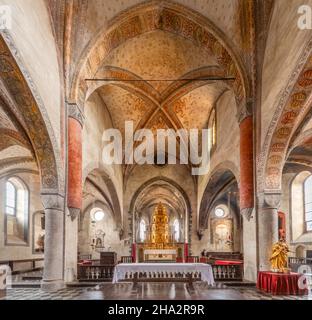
{"points": [[159, 245]]}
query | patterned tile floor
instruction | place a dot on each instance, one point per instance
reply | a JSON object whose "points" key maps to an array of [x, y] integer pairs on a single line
{"points": [[146, 291]]}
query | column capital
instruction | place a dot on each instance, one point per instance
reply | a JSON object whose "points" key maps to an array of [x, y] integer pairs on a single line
{"points": [[74, 112], [270, 199], [245, 110], [52, 201]]}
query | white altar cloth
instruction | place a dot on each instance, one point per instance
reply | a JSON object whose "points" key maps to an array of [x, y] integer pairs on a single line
{"points": [[123, 268]]}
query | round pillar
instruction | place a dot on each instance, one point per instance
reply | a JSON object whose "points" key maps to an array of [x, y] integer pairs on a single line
{"points": [[74, 184], [267, 227], [246, 167], [53, 273]]}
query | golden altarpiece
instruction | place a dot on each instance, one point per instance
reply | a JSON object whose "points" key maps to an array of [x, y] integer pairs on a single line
{"points": [[159, 245]]}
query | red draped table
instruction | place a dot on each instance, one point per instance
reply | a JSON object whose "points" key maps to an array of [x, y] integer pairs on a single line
{"points": [[280, 283]]}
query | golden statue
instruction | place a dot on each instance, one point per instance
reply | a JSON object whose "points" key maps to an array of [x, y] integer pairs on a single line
{"points": [[279, 258]]}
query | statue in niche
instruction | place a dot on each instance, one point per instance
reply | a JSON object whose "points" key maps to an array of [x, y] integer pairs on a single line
{"points": [[40, 243]]}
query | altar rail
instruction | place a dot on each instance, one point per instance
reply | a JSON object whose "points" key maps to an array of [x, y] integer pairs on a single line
{"points": [[225, 269], [126, 259], [295, 263], [95, 271], [192, 259], [227, 272], [162, 277], [224, 255]]}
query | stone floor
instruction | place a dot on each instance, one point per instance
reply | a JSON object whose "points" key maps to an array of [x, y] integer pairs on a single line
{"points": [[146, 291]]}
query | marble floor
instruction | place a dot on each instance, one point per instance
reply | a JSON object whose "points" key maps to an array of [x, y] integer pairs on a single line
{"points": [[146, 291]]}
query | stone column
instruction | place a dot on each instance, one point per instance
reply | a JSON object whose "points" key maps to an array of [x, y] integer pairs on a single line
{"points": [[53, 273], [246, 167], [269, 203], [246, 192], [74, 151]]}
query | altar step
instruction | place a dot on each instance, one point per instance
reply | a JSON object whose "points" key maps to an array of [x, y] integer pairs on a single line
{"points": [[83, 284], [243, 283], [26, 284]]}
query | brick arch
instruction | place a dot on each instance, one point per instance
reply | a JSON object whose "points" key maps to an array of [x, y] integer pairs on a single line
{"points": [[169, 17], [294, 104], [23, 101]]}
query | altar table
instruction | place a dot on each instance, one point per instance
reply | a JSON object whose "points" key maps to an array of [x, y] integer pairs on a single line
{"points": [[185, 268], [280, 283]]}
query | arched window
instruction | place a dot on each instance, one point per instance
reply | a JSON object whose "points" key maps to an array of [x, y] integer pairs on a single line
{"points": [[212, 131], [11, 195], [16, 212], [308, 203], [176, 230], [142, 230]]}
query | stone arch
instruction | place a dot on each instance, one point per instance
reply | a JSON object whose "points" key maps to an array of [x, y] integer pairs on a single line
{"points": [[159, 179], [116, 207], [23, 100], [293, 104], [186, 200], [169, 17], [17, 171], [222, 176]]}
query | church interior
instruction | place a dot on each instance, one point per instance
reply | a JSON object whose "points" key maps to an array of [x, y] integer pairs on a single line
{"points": [[72, 69]]}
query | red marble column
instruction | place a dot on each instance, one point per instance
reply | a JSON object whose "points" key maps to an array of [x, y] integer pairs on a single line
{"points": [[74, 196], [246, 167], [134, 252], [186, 251]]}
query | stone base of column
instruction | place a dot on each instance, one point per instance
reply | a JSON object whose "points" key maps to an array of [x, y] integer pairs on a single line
{"points": [[52, 285]]}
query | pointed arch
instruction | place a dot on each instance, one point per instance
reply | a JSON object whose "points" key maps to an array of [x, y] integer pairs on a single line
{"points": [[23, 101]]}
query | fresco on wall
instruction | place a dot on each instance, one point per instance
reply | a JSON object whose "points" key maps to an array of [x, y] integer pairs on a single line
{"points": [[222, 235]]}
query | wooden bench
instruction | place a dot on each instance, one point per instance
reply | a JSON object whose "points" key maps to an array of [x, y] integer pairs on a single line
{"points": [[32, 265]]}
